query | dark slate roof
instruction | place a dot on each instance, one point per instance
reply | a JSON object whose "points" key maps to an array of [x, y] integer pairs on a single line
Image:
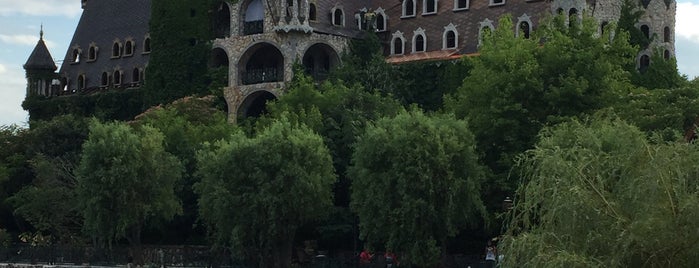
{"points": [[40, 59], [102, 23]]}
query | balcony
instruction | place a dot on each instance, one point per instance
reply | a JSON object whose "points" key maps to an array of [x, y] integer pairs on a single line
{"points": [[256, 76]]}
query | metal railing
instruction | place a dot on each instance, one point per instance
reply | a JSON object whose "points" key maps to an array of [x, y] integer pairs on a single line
{"points": [[266, 75], [253, 27]]}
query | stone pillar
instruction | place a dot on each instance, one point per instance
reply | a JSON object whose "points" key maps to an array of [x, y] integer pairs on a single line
{"points": [[295, 13]]}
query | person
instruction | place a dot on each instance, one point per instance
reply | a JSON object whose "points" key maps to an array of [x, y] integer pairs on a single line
{"points": [[490, 252], [390, 259], [365, 257]]}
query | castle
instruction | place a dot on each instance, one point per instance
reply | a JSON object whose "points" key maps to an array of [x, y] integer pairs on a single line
{"points": [[258, 41]]}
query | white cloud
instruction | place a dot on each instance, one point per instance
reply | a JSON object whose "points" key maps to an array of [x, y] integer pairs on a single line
{"points": [[68, 8], [12, 91], [23, 40], [687, 20]]}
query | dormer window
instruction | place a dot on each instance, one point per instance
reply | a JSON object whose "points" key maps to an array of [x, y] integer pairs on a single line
{"points": [[461, 5], [381, 20], [497, 2], [450, 37], [524, 26], [117, 77], [76, 55], [81, 81], [429, 7], [116, 49], [128, 48], [105, 79], [338, 17], [146, 45], [419, 40], [397, 43], [408, 9], [485, 30], [92, 52]]}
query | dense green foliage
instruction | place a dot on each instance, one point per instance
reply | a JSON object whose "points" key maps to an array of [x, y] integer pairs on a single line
{"points": [[110, 105], [415, 182], [126, 181], [600, 194], [256, 192]]}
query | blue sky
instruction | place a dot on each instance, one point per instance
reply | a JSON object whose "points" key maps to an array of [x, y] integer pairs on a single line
{"points": [[21, 20]]}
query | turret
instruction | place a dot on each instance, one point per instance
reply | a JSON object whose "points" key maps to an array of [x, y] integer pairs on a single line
{"points": [[40, 69]]}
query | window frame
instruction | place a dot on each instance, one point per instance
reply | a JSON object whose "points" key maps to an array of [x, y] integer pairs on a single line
{"points": [[404, 14], [398, 35], [451, 28], [419, 33], [425, 5], [458, 8]]}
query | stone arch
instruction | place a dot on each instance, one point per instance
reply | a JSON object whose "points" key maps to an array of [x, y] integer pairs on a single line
{"points": [[255, 104], [319, 59], [219, 60], [221, 20], [261, 63], [252, 17]]}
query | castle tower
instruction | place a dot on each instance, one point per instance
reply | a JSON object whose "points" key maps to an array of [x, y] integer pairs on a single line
{"points": [[40, 69]]}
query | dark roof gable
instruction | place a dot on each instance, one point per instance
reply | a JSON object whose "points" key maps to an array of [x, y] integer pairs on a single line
{"points": [[40, 59]]}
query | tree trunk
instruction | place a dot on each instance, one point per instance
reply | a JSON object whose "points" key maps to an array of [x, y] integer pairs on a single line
{"points": [[135, 249]]}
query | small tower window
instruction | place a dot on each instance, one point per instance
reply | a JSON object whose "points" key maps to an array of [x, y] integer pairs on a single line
{"points": [[644, 63], [666, 34], [116, 49], [666, 54], [572, 17], [146, 45], [524, 29]]}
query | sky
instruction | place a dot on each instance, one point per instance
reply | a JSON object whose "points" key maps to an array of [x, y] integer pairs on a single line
{"points": [[20, 22]]}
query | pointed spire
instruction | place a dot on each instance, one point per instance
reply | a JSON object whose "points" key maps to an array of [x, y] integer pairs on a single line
{"points": [[41, 32], [40, 59]]}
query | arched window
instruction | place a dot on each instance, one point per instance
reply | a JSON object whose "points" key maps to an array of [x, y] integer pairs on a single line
{"points": [[524, 29], [116, 49], [645, 30], [136, 75], [338, 17], [117, 77], [397, 43], [485, 30], [81, 81], [429, 7], [572, 17], [460, 4], [92, 53], [128, 48], [312, 11], [644, 63], [254, 18], [408, 8], [419, 43], [602, 26], [105, 79], [381, 20], [450, 39], [146, 45], [666, 34], [666, 54], [76, 55]]}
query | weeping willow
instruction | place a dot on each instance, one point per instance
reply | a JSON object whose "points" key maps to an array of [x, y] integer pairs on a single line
{"points": [[603, 194]]}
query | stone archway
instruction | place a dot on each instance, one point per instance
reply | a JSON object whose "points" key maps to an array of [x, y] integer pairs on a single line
{"points": [[253, 15], [261, 63], [319, 59], [221, 20], [219, 63], [255, 104]]}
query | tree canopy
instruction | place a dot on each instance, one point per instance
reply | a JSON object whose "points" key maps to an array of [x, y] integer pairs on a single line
{"points": [[256, 192], [415, 182]]}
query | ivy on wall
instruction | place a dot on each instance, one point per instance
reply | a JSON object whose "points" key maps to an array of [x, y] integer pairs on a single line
{"points": [[110, 105]]}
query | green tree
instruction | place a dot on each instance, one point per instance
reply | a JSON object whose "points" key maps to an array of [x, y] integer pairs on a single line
{"points": [[49, 203], [187, 124], [517, 86], [600, 194], [126, 180], [256, 192], [416, 182]]}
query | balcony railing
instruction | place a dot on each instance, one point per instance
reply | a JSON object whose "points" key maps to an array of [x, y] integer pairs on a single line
{"points": [[256, 76], [253, 27]]}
